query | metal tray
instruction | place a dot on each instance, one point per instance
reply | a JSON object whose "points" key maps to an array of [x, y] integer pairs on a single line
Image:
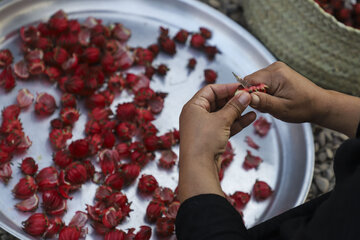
{"points": [[287, 150]]}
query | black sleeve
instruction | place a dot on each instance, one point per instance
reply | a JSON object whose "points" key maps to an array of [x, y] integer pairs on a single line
{"points": [[209, 217], [333, 216]]}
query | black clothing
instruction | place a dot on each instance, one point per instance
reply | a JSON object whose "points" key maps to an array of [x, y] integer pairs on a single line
{"points": [[334, 215]]}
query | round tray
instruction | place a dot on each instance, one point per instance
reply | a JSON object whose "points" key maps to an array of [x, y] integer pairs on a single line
{"points": [[287, 150]]}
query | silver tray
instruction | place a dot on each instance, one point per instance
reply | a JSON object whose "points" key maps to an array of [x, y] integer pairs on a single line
{"points": [[287, 150]]}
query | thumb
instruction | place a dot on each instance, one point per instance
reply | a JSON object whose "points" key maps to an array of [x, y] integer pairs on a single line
{"points": [[235, 107], [265, 102]]}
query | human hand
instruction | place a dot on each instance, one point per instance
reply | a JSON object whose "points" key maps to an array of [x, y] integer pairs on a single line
{"points": [[206, 123], [291, 98], [209, 119]]}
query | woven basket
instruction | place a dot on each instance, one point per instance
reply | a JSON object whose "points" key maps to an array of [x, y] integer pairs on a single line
{"points": [[314, 43]]}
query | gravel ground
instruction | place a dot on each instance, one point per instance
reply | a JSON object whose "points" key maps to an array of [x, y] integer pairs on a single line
{"points": [[326, 141]]}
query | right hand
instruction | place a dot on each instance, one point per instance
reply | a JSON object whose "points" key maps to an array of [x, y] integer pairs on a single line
{"points": [[291, 98]]}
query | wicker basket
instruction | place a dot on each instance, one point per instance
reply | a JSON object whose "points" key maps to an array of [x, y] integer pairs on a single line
{"points": [[314, 43]]}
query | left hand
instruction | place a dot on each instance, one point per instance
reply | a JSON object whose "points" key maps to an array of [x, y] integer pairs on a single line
{"points": [[206, 123]]}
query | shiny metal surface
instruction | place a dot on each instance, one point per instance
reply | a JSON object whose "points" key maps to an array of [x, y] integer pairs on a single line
{"points": [[287, 150]]}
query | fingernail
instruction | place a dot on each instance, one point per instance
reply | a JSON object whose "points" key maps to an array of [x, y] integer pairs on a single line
{"points": [[255, 100], [244, 98]]}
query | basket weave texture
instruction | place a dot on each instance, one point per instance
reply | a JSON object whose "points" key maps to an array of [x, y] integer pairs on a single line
{"points": [[314, 43]]}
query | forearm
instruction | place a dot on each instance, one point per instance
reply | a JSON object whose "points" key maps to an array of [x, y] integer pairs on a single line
{"points": [[198, 174], [339, 112]]}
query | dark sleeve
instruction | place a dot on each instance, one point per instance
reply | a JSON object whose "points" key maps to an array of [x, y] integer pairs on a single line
{"points": [[358, 132], [332, 216], [209, 217]]}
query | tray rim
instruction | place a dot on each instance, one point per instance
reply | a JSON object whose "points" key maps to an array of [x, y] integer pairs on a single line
{"points": [[258, 46]]}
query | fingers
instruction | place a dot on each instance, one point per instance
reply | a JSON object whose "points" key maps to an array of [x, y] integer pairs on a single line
{"points": [[261, 76], [214, 92], [235, 107], [265, 102], [242, 123], [268, 76]]}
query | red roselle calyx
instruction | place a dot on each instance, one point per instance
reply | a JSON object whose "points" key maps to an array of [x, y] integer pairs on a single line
{"points": [[191, 63], [36, 224], [45, 104], [261, 190], [181, 36], [256, 88], [28, 166], [6, 58], [210, 76], [25, 188], [144, 233], [162, 69], [147, 184], [197, 41], [165, 227], [79, 148]]}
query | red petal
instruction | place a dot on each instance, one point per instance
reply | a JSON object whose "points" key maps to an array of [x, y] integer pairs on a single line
{"points": [[24, 98], [262, 126], [21, 70], [156, 104], [251, 142], [29, 204], [79, 219], [251, 161]]}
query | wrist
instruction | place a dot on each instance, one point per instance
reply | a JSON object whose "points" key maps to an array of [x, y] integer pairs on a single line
{"points": [[191, 151], [322, 103]]}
